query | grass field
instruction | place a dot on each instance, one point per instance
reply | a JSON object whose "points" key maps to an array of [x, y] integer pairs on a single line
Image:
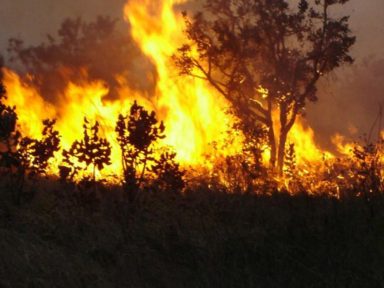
{"points": [[62, 237]]}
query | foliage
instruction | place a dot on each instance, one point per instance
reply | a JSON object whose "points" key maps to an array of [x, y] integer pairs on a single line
{"points": [[137, 134], [266, 57], [98, 47], [8, 117], [23, 156], [34, 155], [169, 176], [9, 136], [368, 166], [245, 171], [92, 150]]}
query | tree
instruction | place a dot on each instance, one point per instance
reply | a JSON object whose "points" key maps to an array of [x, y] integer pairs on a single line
{"points": [[266, 58], [34, 155], [136, 134], [97, 47], [169, 176], [9, 136], [92, 150], [23, 156]]}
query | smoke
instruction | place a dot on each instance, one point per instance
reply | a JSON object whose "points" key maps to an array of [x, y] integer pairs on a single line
{"points": [[350, 101], [33, 20], [96, 51]]}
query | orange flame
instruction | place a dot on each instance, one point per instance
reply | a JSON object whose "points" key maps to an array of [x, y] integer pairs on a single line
{"points": [[194, 113]]}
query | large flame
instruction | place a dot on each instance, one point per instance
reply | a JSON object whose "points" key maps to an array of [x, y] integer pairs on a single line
{"points": [[195, 115]]}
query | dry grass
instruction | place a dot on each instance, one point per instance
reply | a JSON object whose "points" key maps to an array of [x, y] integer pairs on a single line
{"points": [[200, 239]]}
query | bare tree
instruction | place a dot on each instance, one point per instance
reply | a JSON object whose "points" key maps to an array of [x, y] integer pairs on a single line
{"points": [[266, 58]]}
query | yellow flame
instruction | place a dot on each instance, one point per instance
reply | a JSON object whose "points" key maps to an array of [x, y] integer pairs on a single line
{"points": [[342, 146], [194, 113], [31, 107], [305, 145]]}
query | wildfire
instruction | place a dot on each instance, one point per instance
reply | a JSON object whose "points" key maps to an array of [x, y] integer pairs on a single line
{"points": [[194, 114]]}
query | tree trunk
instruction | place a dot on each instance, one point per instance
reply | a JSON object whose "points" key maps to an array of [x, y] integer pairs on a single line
{"points": [[281, 150], [272, 143]]}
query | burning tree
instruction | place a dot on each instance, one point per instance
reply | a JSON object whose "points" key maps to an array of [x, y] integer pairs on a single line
{"points": [[266, 58]]}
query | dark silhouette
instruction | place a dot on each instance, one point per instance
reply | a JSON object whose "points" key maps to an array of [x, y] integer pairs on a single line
{"points": [[266, 57], [34, 154], [169, 176], [91, 150], [97, 49], [22, 157], [8, 117], [137, 133]]}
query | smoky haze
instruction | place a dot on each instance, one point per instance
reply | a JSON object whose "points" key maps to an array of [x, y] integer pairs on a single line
{"points": [[349, 98], [33, 20]]}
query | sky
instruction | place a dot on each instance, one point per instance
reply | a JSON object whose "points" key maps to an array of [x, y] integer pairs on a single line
{"points": [[349, 98]]}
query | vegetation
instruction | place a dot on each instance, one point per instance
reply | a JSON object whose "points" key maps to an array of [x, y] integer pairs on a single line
{"points": [[266, 58], [207, 236], [238, 225], [137, 134], [91, 150], [98, 49], [202, 238]]}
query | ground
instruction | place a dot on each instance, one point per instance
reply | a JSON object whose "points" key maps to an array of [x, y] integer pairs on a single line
{"points": [[62, 237]]}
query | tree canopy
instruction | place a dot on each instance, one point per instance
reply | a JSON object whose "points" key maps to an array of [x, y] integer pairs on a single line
{"points": [[98, 47], [266, 57]]}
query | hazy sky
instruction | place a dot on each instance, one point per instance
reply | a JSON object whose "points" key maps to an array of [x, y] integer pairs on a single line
{"points": [[33, 19], [350, 98]]}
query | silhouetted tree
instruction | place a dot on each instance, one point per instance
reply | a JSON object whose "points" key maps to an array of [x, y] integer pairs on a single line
{"points": [[30, 158], [266, 57], [23, 156], [92, 150], [137, 133], [169, 176], [34, 155], [9, 136], [97, 47]]}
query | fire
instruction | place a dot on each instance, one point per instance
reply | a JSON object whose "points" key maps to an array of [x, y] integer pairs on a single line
{"points": [[342, 146], [305, 146], [31, 107], [194, 114]]}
